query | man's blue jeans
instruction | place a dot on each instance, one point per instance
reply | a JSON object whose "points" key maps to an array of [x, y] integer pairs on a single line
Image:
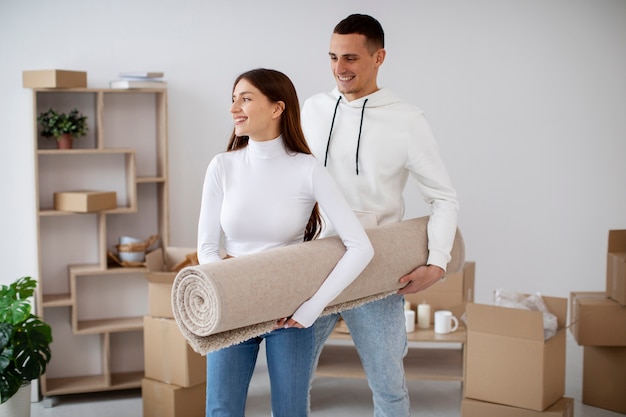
{"points": [[289, 355], [379, 334]]}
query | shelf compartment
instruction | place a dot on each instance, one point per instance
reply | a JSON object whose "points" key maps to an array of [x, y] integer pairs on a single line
{"points": [[55, 254], [108, 300], [93, 383], [120, 115], [148, 219], [82, 99], [68, 171]]}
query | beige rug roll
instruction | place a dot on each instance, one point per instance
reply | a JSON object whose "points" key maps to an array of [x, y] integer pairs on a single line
{"points": [[223, 303]]}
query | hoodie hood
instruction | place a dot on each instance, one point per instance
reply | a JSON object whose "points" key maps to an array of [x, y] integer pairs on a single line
{"points": [[382, 97]]}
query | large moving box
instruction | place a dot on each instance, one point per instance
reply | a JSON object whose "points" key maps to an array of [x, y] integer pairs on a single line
{"points": [[604, 377], [167, 355], [509, 362], [597, 320], [166, 400]]}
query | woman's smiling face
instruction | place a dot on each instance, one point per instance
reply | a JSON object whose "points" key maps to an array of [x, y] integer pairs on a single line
{"points": [[254, 114]]}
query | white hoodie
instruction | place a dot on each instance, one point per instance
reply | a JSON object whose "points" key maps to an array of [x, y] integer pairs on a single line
{"points": [[375, 142]]}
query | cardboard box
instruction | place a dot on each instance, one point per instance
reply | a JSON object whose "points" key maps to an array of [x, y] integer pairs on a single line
{"points": [[604, 377], [85, 201], [473, 408], [616, 266], [166, 400], [167, 355], [597, 320], [54, 79], [160, 276], [457, 289], [509, 362]]}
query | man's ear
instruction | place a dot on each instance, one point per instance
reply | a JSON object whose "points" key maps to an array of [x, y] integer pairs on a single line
{"points": [[279, 108], [380, 56]]}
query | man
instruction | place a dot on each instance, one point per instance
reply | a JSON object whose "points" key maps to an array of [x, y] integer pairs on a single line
{"points": [[370, 140]]}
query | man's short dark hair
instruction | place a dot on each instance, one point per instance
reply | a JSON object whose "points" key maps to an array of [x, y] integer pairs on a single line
{"points": [[363, 24]]}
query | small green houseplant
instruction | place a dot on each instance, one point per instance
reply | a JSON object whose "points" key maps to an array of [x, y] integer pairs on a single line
{"points": [[24, 338], [62, 125]]}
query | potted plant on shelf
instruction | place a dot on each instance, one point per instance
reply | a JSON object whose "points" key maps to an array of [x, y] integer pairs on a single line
{"points": [[24, 345], [63, 126]]}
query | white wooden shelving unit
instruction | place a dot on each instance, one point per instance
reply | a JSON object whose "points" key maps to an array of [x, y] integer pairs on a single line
{"points": [[96, 310]]}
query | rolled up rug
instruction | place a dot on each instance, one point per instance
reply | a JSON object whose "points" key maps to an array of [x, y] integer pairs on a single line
{"points": [[223, 303]]}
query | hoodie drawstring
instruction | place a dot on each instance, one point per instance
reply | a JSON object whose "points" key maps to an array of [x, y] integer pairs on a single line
{"points": [[358, 143], [331, 130]]}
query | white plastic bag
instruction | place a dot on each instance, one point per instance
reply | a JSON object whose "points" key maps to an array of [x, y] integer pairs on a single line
{"points": [[534, 302]]}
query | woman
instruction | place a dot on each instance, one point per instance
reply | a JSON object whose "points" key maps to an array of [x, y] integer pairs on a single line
{"points": [[263, 193]]}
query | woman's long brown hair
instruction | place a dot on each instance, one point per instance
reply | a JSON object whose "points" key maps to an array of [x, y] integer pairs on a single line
{"points": [[276, 86]]}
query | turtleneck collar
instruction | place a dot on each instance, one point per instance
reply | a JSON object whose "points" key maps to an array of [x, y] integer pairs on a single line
{"points": [[266, 149]]}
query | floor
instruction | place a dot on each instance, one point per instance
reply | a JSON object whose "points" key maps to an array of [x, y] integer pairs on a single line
{"points": [[330, 397]]}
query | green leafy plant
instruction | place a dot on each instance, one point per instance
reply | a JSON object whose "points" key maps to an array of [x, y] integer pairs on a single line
{"points": [[55, 124], [24, 338]]}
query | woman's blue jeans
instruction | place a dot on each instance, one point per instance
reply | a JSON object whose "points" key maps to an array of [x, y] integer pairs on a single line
{"points": [[289, 355]]}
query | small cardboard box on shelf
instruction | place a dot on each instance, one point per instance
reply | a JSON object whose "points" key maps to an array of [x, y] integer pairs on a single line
{"points": [[54, 78], [597, 320], [508, 360], [163, 265], [167, 400], [616, 266], [604, 377], [85, 201], [473, 408]]}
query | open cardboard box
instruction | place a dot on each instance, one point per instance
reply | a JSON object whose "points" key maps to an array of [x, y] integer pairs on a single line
{"points": [[508, 361], [163, 265], [597, 320], [616, 266]]}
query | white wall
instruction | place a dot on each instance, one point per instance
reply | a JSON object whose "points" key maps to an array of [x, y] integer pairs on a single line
{"points": [[527, 99]]}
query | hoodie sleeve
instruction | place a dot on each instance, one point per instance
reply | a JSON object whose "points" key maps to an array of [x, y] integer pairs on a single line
{"points": [[427, 167]]}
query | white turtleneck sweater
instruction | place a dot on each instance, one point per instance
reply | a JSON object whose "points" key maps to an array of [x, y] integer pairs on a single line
{"points": [[261, 197]]}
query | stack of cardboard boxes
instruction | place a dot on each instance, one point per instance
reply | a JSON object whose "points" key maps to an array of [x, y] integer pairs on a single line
{"points": [[598, 323], [175, 375], [511, 370]]}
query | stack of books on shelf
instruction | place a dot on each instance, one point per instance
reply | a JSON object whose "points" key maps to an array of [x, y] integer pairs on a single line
{"points": [[140, 79]]}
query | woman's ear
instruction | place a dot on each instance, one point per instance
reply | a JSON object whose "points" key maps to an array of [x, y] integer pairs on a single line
{"points": [[279, 108]]}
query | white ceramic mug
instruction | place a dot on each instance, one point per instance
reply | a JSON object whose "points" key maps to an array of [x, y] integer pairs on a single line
{"points": [[445, 322], [409, 318]]}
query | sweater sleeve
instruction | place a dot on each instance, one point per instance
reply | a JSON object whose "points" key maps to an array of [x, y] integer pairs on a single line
{"points": [[209, 226], [359, 250]]}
